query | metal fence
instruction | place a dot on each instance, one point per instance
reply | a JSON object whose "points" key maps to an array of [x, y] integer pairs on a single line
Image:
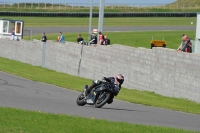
{"points": [[61, 6], [27, 33]]}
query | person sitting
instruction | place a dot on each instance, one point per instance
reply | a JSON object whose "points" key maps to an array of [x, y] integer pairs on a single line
{"points": [[61, 38], [101, 38], [186, 45], [58, 38], [79, 39], [93, 39], [13, 36], [106, 41]]}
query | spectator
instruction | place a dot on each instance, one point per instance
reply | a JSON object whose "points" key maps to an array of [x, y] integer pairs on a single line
{"points": [[61, 38], [93, 39], [44, 37], [79, 39], [13, 35], [106, 41], [101, 38], [186, 45], [58, 38]]}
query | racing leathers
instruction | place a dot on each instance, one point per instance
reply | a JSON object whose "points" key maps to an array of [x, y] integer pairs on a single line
{"points": [[95, 83]]}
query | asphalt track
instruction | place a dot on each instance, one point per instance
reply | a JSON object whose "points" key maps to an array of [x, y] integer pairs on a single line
{"points": [[25, 94], [49, 30]]}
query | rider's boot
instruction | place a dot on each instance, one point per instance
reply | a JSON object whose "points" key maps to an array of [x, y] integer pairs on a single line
{"points": [[86, 92], [88, 89], [91, 87]]}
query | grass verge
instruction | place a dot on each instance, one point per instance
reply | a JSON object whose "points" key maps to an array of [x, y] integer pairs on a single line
{"points": [[77, 83], [118, 21], [133, 39], [20, 121]]}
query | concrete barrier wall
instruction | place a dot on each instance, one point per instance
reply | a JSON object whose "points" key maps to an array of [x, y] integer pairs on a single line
{"points": [[160, 70], [24, 51]]}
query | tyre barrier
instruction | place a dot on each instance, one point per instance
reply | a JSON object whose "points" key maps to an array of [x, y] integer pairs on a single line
{"points": [[95, 14]]}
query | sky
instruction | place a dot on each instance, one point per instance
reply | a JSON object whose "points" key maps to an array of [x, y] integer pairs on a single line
{"points": [[96, 1]]}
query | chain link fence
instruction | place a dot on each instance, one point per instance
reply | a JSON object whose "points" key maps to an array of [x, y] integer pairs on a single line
{"points": [[61, 6]]}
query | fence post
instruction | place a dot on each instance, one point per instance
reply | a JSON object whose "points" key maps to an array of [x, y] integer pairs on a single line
{"points": [[31, 35], [43, 54], [90, 22]]}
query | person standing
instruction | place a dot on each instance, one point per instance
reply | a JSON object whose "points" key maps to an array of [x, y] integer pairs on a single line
{"points": [[44, 37]]}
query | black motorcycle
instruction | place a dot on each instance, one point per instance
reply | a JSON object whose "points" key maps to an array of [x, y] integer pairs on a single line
{"points": [[99, 95]]}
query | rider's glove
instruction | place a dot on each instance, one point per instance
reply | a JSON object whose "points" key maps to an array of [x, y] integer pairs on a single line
{"points": [[103, 79], [96, 81]]}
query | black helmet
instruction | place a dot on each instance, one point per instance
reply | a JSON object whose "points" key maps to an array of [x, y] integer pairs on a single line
{"points": [[119, 78]]}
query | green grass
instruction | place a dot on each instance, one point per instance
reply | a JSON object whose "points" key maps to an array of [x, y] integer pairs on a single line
{"points": [[77, 83], [130, 21], [20, 121], [186, 3], [133, 39]]}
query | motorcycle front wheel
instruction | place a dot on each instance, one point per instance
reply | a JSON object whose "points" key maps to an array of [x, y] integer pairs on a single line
{"points": [[102, 99], [80, 100]]}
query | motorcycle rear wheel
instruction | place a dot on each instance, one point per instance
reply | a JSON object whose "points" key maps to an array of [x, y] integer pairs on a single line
{"points": [[80, 100], [102, 99]]}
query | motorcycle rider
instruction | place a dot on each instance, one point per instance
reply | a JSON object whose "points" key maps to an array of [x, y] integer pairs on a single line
{"points": [[116, 80]]}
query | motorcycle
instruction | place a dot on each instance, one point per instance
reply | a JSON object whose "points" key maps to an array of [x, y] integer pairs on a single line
{"points": [[99, 95]]}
